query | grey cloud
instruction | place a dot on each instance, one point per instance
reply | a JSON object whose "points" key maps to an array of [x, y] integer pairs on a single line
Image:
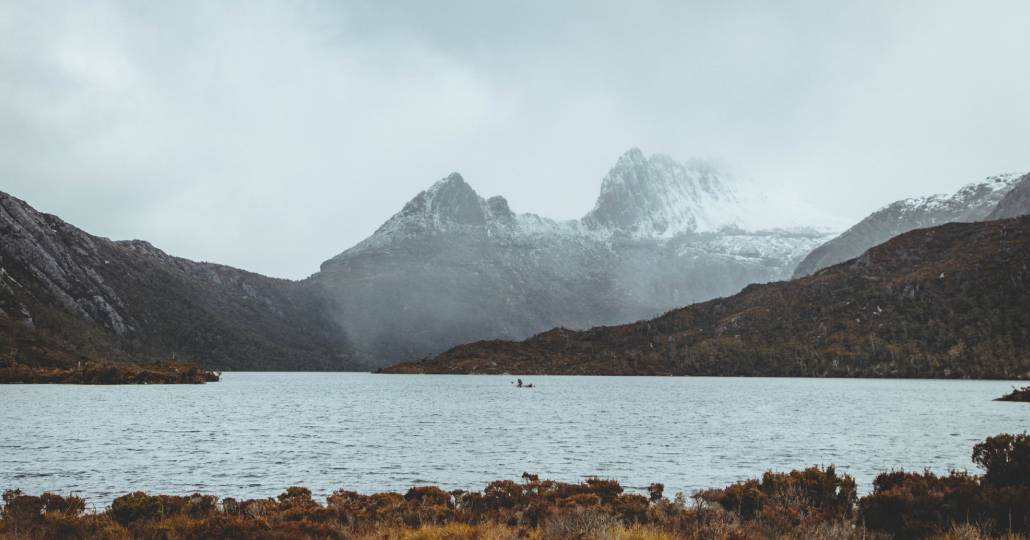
{"points": [[272, 135]]}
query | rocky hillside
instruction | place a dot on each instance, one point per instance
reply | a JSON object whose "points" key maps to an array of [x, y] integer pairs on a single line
{"points": [[453, 267], [1016, 203], [66, 295], [946, 301], [971, 203]]}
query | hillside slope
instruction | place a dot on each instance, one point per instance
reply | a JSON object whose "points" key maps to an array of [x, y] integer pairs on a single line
{"points": [[948, 301], [971, 203], [66, 295]]}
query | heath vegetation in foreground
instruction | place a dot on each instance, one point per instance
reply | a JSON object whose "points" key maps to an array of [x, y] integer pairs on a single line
{"points": [[811, 503]]}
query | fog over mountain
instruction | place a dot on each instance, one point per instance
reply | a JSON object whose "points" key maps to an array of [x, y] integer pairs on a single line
{"points": [[269, 135], [450, 267], [453, 266]]}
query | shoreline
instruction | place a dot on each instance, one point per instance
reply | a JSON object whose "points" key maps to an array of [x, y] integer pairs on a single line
{"points": [[109, 373], [816, 502]]}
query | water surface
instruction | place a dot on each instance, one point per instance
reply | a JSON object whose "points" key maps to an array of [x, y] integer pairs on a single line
{"points": [[254, 434]]}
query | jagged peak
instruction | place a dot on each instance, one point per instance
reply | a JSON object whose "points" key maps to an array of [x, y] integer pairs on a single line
{"points": [[449, 199], [659, 195], [633, 155], [450, 182]]}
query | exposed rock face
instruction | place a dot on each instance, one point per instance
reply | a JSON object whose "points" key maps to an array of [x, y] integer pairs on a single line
{"points": [[660, 197], [1016, 203], [65, 294], [453, 267], [947, 301], [971, 203]]}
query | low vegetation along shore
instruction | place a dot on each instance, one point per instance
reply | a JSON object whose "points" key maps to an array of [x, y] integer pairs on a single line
{"points": [[810, 503], [168, 372]]}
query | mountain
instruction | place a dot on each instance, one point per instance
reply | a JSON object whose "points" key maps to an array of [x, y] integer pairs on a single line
{"points": [[971, 203], [450, 267], [946, 301], [66, 295], [659, 197], [453, 267], [1016, 203]]}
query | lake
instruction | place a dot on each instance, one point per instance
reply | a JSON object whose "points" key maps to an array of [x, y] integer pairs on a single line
{"points": [[254, 434]]}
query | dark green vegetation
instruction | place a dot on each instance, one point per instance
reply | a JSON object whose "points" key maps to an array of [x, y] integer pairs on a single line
{"points": [[67, 296], [1017, 394], [811, 503], [167, 372], [948, 301]]}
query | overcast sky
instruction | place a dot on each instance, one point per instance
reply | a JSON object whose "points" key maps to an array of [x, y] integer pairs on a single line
{"points": [[271, 136]]}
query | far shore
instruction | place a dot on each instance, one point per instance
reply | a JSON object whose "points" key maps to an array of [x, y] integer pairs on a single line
{"points": [[166, 372]]}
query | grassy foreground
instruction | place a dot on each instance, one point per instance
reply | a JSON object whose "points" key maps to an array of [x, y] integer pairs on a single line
{"points": [[811, 503], [168, 372]]}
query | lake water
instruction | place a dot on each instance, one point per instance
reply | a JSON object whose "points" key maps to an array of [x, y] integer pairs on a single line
{"points": [[254, 434]]}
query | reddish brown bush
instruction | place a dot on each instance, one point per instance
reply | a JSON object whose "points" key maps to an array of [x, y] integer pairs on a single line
{"points": [[812, 503]]}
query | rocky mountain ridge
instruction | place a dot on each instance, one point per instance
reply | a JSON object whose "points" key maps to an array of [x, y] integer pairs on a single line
{"points": [[66, 295], [453, 267], [973, 202]]}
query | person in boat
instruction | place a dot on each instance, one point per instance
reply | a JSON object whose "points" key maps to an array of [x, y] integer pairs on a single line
{"points": [[518, 383]]}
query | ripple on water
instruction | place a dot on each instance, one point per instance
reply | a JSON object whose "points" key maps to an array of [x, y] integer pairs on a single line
{"points": [[253, 435]]}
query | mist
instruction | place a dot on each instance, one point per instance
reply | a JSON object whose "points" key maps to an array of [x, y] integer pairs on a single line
{"points": [[272, 136]]}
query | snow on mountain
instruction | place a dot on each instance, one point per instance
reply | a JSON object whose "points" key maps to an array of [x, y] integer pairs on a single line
{"points": [[1016, 202], [973, 202], [453, 267], [659, 197]]}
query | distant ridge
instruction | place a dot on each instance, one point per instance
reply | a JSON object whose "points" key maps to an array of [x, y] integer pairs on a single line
{"points": [[971, 203], [946, 301]]}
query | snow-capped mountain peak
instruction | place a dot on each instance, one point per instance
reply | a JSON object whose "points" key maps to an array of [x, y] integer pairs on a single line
{"points": [[448, 200], [660, 197], [453, 267], [972, 202]]}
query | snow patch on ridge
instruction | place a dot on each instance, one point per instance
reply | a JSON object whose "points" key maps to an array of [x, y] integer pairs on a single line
{"points": [[641, 199]]}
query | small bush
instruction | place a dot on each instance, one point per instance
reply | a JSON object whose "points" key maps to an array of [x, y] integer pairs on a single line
{"points": [[1005, 460], [137, 506]]}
